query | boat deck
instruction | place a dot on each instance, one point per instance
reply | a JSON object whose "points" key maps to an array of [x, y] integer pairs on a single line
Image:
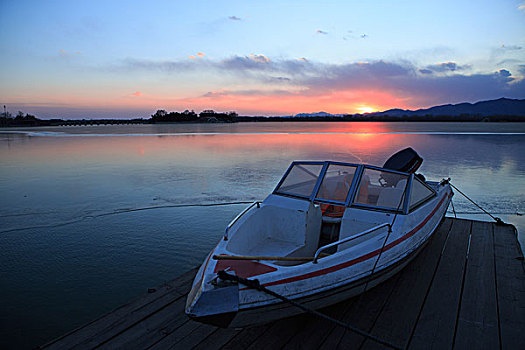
{"points": [[466, 289]]}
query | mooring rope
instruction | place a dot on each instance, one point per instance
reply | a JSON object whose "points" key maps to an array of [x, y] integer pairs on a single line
{"points": [[255, 284], [188, 205], [517, 213], [498, 220], [121, 211]]}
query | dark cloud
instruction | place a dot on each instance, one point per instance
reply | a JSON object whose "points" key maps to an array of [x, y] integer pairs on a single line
{"points": [[503, 73], [254, 92], [319, 31], [234, 18], [245, 63], [511, 47], [457, 88], [401, 79], [445, 67], [417, 85]]}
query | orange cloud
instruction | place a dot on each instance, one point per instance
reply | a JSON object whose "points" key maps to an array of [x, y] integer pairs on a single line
{"points": [[65, 53], [259, 58], [200, 54], [347, 101], [137, 93]]}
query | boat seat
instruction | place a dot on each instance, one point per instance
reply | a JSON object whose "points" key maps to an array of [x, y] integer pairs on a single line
{"points": [[401, 184], [274, 247], [332, 219], [390, 198]]}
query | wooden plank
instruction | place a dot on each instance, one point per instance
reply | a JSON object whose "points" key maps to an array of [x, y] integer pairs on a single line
{"points": [[217, 339], [154, 328], [183, 283], [437, 321], [185, 337], [510, 287], [280, 333], [316, 330], [246, 337], [477, 326], [107, 326], [361, 314], [398, 317]]}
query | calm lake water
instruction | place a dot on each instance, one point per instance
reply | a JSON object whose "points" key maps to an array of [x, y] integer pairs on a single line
{"points": [[87, 216]]}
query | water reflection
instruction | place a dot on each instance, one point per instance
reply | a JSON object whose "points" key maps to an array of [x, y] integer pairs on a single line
{"points": [[58, 255]]}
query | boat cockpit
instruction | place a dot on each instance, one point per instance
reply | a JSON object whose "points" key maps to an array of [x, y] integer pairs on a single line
{"points": [[317, 204]]}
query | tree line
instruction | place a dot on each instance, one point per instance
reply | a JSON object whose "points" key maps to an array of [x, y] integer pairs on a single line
{"points": [[210, 116], [161, 116], [20, 119]]}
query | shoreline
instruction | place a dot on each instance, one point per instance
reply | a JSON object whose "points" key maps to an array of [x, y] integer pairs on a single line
{"points": [[244, 119]]}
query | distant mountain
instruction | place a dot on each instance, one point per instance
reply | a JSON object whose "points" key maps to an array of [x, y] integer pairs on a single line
{"points": [[502, 106], [318, 114]]}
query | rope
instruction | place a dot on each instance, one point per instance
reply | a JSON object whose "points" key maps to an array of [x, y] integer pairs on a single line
{"points": [[255, 284], [121, 211], [117, 212], [517, 213], [498, 220], [453, 209]]}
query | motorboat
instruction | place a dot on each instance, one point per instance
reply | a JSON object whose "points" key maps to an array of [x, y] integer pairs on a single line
{"points": [[329, 231]]}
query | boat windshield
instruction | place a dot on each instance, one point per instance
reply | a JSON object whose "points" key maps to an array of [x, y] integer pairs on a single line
{"points": [[300, 180], [336, 183], [380, 188]]}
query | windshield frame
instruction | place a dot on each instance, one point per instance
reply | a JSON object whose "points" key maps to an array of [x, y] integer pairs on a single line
{"points": [[408, 187], [352, 193], [353, 186], [294, 163], [424, 201]]}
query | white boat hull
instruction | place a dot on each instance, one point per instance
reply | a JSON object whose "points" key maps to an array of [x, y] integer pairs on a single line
{"points": [[265, 314], [364, 259]]}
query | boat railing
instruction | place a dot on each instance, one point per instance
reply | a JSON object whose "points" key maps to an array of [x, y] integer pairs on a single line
{"points": [[238, 217], [348, 239]]}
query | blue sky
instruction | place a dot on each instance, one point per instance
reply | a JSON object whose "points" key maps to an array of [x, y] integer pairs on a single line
{"points": [[127, 59]]}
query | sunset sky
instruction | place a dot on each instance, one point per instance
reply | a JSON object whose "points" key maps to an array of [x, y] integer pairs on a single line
{"points": [[123, 59]]}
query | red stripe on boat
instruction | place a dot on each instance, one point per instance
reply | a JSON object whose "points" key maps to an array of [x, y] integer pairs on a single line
{"points": [[361, 258]]}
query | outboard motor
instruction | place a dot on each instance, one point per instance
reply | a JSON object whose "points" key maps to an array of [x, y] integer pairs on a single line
{"points": [[406, 160]]}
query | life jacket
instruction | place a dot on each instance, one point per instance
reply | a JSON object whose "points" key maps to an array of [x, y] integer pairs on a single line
{"points": [[340, 193]]}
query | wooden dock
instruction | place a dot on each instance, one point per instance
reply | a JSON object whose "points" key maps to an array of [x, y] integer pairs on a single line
{"points": [[466, 289]]}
